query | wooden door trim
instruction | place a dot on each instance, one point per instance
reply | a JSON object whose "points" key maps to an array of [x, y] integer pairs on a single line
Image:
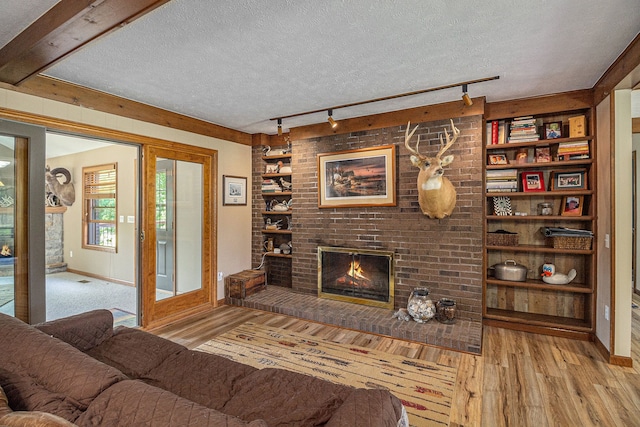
{"points": [[156, 313]]}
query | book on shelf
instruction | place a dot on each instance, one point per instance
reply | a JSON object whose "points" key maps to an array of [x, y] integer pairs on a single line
{"points": [[523, 129], [502, 174], [496, 132], [270, 186], [502, 185], [502, 190], [573, 150]]}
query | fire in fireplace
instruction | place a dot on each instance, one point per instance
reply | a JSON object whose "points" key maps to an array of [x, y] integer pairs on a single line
{"points": [[359, 276]]}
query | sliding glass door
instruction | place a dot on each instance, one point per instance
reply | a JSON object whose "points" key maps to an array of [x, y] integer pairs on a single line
{"points": [[22, 284]]}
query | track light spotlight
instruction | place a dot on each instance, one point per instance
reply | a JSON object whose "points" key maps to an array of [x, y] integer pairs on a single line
{"points": [[465, 96], [279, 127], [332, 122]]}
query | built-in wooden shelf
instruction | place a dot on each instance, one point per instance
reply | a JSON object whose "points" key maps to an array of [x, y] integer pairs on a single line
{"points": [[275, 255], [277, 157], [542, 193], [289, 212], [539, 284], [276, 231], [276, 193], [553, 218], [276, 175], [542, 165], [570, 310], [538, 319], [540, 249]]}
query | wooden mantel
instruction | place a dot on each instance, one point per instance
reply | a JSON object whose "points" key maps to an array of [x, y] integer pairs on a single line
{"points": [[55, 209]]}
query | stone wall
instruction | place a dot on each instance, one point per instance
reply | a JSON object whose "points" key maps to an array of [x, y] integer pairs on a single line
{"points": [[443, 255], [54, 242]]}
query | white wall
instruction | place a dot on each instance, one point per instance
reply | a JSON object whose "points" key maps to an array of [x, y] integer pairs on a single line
{"points": [[119, 265], [234, 222], [622, 239]]}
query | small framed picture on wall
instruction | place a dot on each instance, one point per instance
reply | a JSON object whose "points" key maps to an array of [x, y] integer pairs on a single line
{"points": [[234, 191]]}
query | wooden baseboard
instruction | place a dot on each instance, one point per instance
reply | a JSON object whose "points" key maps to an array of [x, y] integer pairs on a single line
{"points": [[537, 329], [97, 276], [624, 361]]}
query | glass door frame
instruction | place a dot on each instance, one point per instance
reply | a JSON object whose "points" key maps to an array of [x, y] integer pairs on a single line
{"points": [[29, 273], [156, 313]]}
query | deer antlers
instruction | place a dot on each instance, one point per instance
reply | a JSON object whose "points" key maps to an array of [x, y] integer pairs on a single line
{"points": [[443, 147]]}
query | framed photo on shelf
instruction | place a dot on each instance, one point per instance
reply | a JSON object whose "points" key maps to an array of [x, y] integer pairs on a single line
{"points": [[271, 168], [498, 159], [569, 180], [362, 177], [572, 205], [543, 154], [553, 130], [532, 181], [234, 190]]}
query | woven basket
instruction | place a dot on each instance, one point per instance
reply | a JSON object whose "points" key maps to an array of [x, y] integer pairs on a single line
{"points": [[502, 239], [568, 242]]}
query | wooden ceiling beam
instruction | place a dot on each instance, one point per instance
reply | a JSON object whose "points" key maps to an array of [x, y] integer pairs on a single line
{"points": [[57, 90], [628, 61], [65, 28]]}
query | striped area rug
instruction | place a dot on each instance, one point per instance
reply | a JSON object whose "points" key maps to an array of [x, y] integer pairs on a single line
{"points": [[425, 388]]}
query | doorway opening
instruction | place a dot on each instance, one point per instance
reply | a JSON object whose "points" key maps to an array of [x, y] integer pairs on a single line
{"points": [[91, 239]]}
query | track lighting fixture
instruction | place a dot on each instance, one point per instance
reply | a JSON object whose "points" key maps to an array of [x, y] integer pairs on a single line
{"points": [[332, 122], [465, 96]]}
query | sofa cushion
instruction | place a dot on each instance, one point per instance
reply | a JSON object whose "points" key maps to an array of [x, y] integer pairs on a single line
{"points": [[207, 379], [34, 362], [133, 403], [9, 418], [83, 331], [25, 394], [284, 398], [134, 352]]}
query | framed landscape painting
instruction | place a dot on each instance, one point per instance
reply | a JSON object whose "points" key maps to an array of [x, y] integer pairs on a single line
{"points": [[364, 177]]}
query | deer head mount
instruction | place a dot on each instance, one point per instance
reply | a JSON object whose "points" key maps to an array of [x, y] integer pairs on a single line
{"points": [[436, 194]]}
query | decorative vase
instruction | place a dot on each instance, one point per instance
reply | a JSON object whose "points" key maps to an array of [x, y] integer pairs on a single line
{"points": [[420, 306], [446, 310]]}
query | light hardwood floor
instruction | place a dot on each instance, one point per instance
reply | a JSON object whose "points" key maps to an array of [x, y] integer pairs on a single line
{"points": [[521, 379]]}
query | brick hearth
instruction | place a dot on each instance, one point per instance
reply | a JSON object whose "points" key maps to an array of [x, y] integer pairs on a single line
{"points": [[463, 335]]}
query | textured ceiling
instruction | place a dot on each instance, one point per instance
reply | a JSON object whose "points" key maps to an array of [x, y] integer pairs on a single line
{"points": [[239, 63]]}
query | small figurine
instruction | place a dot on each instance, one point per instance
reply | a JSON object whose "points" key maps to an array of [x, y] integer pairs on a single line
{"points": [[550, 276]]}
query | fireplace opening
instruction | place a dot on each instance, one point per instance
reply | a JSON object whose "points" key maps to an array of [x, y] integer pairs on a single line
{"points": [[359, 276]]}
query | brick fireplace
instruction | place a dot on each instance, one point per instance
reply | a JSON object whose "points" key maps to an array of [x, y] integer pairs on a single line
{"points": [[442, 255], [354, 275]]}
